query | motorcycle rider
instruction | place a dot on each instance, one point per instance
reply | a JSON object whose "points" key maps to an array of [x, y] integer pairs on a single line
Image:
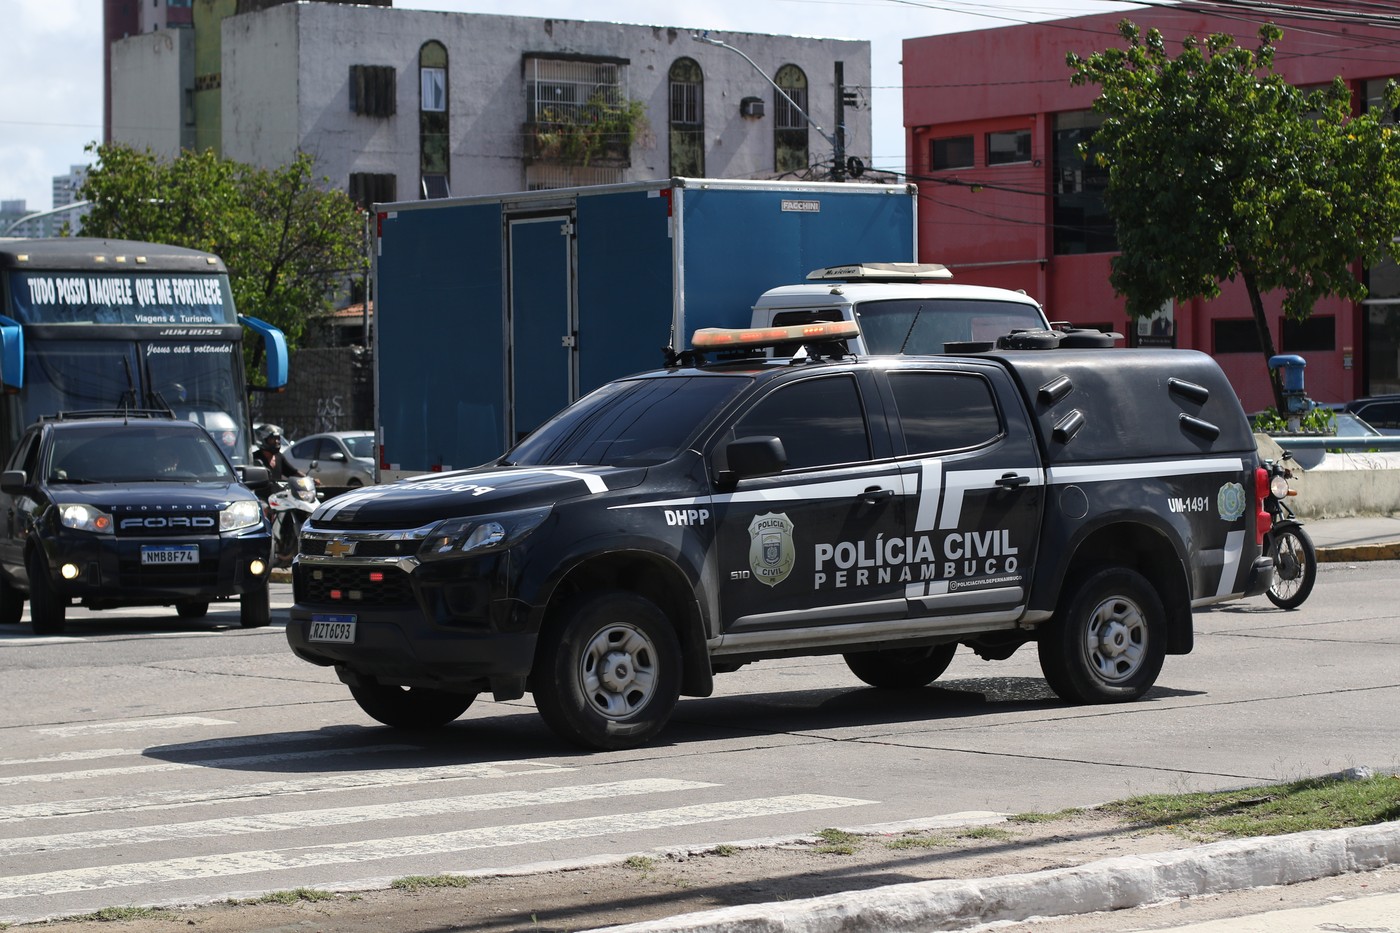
{"points": [[269, 454]]}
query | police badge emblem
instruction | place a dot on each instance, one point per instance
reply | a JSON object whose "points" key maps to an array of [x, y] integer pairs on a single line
{"points": [[771, 552]]}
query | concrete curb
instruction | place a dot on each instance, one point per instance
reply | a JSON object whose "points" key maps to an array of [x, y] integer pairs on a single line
{"points": [[1389, 550], [1111, 884]]}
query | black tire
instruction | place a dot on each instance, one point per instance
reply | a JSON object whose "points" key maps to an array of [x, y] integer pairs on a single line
{"points": [[1295, 566], [901, 668], [608, 672], [11, 603], [286, 538], [191, 608], [410, 708], [1107, 642], [255, 608], [48, 612], [354, 482]]}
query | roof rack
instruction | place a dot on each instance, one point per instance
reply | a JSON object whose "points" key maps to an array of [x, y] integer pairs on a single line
{"points": [[881, 272], [151, 413]]}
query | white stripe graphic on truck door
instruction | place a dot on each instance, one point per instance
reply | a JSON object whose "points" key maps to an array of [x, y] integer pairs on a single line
{"points": [[955, 484]]}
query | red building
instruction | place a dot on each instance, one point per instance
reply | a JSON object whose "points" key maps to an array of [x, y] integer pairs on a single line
{"points": [[992, 125]]}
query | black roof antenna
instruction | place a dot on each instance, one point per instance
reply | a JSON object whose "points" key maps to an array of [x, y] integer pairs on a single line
{"points": [[910, 334]]}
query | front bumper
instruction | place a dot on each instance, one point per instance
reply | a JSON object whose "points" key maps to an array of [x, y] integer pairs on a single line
{"points": [[1261, 576], [110, 571]]}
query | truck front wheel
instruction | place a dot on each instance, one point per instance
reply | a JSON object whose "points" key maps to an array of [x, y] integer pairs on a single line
{"points": [[901, 668], [1107, 643], [608, 672], [410, 708]]}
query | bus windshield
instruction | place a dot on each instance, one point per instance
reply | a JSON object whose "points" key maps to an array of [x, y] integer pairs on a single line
{"points": [[100, 340]]}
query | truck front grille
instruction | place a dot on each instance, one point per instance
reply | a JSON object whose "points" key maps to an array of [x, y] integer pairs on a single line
{"points": [[352, 585]]}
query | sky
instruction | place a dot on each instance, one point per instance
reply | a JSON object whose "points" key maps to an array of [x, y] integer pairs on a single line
{"points": [[51, 65]]}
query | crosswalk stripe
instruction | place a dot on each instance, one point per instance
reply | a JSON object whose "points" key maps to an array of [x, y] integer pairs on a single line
{"points": [[170, 799], [244, 863], [339, 816], [248, 761], [202, 745], [130, 725]]}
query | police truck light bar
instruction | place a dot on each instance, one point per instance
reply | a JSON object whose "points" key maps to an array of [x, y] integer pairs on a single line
{"points": [[727, 338]]}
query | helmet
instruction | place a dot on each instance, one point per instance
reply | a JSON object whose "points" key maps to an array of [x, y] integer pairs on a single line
{"points": [[272, 441]]}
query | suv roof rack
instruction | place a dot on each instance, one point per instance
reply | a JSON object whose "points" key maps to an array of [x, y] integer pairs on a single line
{"points": [[79, 415], [881, 272]]}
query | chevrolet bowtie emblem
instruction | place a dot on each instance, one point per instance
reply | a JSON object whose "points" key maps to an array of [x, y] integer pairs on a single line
{"points": [[339, 547]]}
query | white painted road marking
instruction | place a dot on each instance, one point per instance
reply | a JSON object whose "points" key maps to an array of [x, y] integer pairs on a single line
{"points": [[245, 863], [132, 725], [340, 816], [250, 761], [321, 783]]}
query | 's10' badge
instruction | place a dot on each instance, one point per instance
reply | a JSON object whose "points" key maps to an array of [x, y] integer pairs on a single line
{"points": [[771, 552]]}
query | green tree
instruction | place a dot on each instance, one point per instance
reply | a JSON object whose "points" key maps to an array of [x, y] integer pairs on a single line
{"points": [[1218, 168], [289, 242]]}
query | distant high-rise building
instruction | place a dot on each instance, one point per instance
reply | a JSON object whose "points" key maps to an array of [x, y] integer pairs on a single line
{"points": [[65, 187]]}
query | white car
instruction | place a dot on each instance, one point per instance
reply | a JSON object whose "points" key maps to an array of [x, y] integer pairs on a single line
{"points": [[336, 460]]}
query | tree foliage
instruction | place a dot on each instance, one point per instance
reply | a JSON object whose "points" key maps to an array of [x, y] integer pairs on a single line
{"points": [[288, 242], [1220, 169]]}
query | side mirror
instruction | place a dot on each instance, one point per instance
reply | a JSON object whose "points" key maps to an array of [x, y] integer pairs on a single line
{"points": [[760, 455], [254, 476], [336, 455], [13, 481]]}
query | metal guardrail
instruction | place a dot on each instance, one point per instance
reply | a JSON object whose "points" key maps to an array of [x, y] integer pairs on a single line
{"points": [[1385, 443]]}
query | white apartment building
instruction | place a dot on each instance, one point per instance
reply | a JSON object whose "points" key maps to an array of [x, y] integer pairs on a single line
{"points": [[400, 104]]}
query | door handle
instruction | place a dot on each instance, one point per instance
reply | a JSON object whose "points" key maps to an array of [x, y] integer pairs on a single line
{"points": [[876, 494], [1012, 480]]}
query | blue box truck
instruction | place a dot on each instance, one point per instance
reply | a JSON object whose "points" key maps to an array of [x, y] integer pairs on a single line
{"points": [[494, 312]]}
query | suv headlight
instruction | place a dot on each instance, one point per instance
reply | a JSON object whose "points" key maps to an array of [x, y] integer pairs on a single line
{"points": [[482, 534], [244, 513], [84, 517]]}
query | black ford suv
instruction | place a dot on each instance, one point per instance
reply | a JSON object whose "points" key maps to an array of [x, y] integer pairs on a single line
{"points": [[128, 509]]}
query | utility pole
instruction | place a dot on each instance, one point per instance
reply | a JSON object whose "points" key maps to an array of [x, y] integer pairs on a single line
{"points": [[838, 168]]}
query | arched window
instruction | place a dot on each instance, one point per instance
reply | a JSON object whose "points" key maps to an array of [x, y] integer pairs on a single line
{"points": [[433, 141], [687, 118], [789, 126]]}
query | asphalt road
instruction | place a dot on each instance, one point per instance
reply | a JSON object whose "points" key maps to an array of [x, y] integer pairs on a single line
{"points": [[147, 760]]}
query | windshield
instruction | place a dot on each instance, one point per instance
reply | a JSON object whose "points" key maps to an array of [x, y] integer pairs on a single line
{"points": [[134, 453], [924, 325], [361, 446], [636, 422]]}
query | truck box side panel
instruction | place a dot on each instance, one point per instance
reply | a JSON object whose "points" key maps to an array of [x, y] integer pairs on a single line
{"points": [[624, 284], [441, 382], [740, 243]]}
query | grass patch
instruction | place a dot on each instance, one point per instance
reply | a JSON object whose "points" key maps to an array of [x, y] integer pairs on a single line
{"points": [[921, 842], [640, 863], [420, 882], [294, 896], [986, 832], [1045, 817], [725, 851], [837, 842], [112, 914], [1316, 803]]}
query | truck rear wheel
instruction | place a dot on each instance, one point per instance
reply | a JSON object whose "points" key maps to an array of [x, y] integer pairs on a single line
{"points": [[1108, 642], [410, 708], [607, 674], [901, 668], [48, 612]]}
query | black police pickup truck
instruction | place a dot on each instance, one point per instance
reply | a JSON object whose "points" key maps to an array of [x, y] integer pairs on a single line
{"points": [[684, 522], [128, 509]]}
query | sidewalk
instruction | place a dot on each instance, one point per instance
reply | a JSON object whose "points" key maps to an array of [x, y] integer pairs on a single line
{"points": [[1367, 537]]}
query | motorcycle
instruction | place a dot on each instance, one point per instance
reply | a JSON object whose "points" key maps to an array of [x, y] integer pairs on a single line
{"points": [[1295, 558], [288, 507]]}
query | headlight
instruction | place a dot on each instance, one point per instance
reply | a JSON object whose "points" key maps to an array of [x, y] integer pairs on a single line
{"points": [[84, 518], [481, 534], [242, 514], [1278, 487]]}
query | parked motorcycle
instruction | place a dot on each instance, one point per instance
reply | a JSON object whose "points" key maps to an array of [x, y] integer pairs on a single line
{"points": [[1295, 558], [288, 506]]}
